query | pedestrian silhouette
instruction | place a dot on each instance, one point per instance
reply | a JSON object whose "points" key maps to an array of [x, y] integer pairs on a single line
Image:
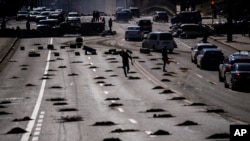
{"points": [[125, 61], [164, 58], [110, 24]]}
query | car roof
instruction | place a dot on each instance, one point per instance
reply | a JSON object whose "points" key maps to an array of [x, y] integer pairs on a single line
{"points": [[212, 49], [160, 32], [134, 26], [239, 64], [205, 44]]}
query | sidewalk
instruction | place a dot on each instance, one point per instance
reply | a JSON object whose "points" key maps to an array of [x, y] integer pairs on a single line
{"points": [[239, 42]]}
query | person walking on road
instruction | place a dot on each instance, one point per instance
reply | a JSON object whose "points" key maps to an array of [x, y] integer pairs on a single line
{"points": [[164, 58], [125, 61], [110, 24]]}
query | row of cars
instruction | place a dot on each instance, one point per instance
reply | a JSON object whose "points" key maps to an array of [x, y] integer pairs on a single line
{"points": [[233, 70]]}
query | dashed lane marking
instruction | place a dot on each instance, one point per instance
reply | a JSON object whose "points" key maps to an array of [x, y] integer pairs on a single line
{"points": [[133, 121], [31, 123], [120, 110]]}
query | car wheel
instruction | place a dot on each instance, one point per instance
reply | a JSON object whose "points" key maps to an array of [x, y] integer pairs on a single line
{"points": [[226, 85], [201, 66], [170, 50], [220, 78], [233, 86], [192, 60]]}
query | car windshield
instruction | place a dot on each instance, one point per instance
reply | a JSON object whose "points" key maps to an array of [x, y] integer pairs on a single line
{"points": [[145, 22], [163, 14], [22, 12], [133, 28], [213, 53], [241, 61], [244, 67], [166, 36], [205, 46]]}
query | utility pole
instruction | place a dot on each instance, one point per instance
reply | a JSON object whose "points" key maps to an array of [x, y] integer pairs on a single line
{"points": [[229, 21]]}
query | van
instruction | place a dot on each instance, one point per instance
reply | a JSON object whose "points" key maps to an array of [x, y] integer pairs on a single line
{"points": [[158, 40], [145, 25]]}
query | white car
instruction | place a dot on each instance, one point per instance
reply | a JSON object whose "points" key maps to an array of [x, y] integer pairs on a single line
{"points": [[195, 51], [158, 40], [134, 32], [73, 16]]}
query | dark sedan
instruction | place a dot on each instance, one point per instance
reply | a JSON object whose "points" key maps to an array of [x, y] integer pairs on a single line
{"points": [[238, 77]]}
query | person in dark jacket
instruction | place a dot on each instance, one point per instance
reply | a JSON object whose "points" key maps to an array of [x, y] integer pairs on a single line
{"points": [[164, 58], [125, 61]]}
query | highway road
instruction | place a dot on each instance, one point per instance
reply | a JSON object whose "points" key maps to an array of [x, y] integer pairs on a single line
{"points": [[65, 95]]}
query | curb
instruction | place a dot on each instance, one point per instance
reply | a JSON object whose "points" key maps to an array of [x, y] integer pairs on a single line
{"points": [[9, 50]]}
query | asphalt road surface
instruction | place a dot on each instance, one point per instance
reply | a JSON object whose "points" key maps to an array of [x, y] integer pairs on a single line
{"points": [[65, 95]]}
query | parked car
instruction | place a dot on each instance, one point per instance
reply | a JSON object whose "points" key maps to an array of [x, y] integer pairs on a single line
{"points": [[195, 51], [239, 76], [73, 15], [191, 31], [122, 16], [22, 15], [134, 32], [145, 25], [32, 15], [42, 15], [160, 16], [187, 17], [209, 58], [237, 57], [158, 40]]}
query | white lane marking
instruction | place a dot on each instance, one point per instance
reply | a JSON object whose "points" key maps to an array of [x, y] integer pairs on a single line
{"points": [[106, 92], [41, 116], [40, 121], [39, 125], [38, 128], [120, 110], [37, 133], [31, 123], [89, 58], [198, 75], [113, 101], [182, 43], [132, 121], [94, 70], [148, 132], [42, 113], [35, 138]]}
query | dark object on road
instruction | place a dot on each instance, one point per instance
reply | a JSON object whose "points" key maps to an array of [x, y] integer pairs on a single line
{"points": [[187, 123], [145, 50], [104, 123], [50, 46], [219, 136], [56, 54], [34, 54], [77, 53], [160, 132], [16, 130], [22, 48], [90, 50]]}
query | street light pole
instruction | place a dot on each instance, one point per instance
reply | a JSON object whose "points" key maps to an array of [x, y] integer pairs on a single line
{"points": [[229, 21]]}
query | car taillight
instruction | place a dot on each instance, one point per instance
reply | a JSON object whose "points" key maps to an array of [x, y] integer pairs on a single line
{"points": [[229, 67], [237, 76]]}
